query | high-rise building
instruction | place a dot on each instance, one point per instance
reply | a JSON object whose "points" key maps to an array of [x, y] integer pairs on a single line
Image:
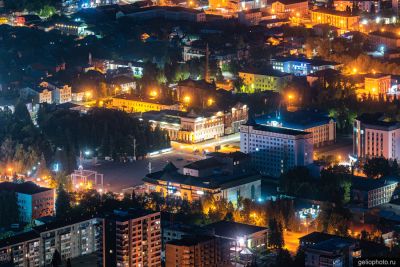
{"points": [[275, 150], [373, 136], [70, 239], [201, 251], [33, 201], [132, 239]]}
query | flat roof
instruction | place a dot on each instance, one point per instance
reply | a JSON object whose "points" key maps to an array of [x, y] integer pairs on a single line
{"points": [[386, 34], [313, 61], [377, 119], [28, 188], [19, 238], [368, 184], [191, 240], [334, 12], [279, 130], [233, 230]]}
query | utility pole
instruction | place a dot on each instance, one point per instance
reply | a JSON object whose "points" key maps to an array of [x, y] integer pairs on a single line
{"points": [[134, 149], [149, 167]]}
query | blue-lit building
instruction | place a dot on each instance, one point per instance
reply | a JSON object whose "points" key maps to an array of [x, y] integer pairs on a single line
{"points": [[302, 66], [322, 127]]}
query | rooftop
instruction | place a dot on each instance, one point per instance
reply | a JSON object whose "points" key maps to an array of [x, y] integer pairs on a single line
{"points": [[27, 188], [334, 12], [266, 72], [124, 215], [233, 230], [278, 130], [191, 240], [378, 119], [204, 164], [315, 62], [368, 184], [301, 120], [387, 34], [237, 155], [289, 2]]}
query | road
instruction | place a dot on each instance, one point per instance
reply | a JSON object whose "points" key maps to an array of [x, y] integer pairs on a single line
{"points": [[119, 175], [341, 149], [292, 241]]}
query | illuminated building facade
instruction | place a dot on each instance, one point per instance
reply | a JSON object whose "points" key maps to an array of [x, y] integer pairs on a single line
{"points": [[133, 104], [265, 81], [275, 150], [132, 238], [365, 6], [385, 40], [372, 192], [340, 19], [72, 28], [322, 127], [296, 8], [234, 117], [197, 181], [33, 201], [199, 251], [375, 137], [36, 247], [188, 127], [302, 66], [377, 84]]}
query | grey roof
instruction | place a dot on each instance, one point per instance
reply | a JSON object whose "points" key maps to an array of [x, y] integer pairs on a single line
{"points": [[368, 184], [279, 130], [28, 188]]}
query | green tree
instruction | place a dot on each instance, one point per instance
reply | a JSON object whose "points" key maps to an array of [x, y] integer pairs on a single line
{"points": [[376, 167], [9, 210], [63, 203]]}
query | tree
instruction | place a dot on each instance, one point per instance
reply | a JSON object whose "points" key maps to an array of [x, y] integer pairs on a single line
{"points": [[56, 260], [63, 203], [275, 234], [376, 167], [47, 11], [283, 258]]}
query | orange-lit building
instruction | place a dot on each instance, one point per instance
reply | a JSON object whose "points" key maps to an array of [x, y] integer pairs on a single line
{"points": [[201, 251], [289, 7], [131, 103], [340, 19], [385, 39], [378, 83]]}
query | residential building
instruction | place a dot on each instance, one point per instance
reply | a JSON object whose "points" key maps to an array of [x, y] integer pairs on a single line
{"points": [[369, 6], [130, 103], [275, 150], [285, 8], [336, 252], [212, 180], [372, 192], [60, 93], [234, 117], [242, 238], [132, 238], [323, 249], [346, 21], [302, 66], [200, 250], [109, 65], [71, 239], [33, 201], [377, 84], [384, 40], [373, 136], [121, 85], [322, 127], [264, 81], [250, 17], [165, 12], [188, 127], [37, 95]]}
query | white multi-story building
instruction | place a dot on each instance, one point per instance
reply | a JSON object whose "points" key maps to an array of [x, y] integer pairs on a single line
{"points": [[375, 137], [188, 127], [372, 192], [275, 150]]}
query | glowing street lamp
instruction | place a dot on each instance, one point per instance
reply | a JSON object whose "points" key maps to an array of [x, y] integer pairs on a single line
{"points": [[186, 99], [88, 94], [210, 101], [355, 71], [153, 93]]}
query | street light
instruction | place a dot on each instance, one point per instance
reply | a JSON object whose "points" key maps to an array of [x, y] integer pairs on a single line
{"points": [[186, 99], [210, 101], [153, 93], [355, 70]]}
